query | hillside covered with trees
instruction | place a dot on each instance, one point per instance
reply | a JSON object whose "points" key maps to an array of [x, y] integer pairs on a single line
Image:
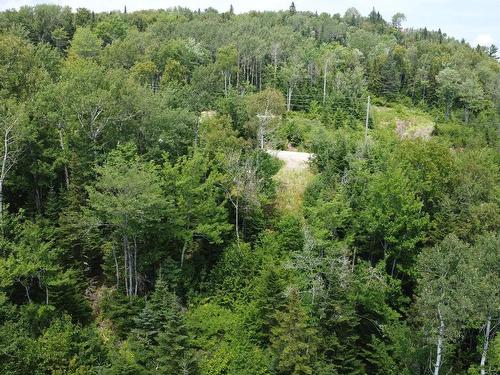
{"points": [[145, 230]]}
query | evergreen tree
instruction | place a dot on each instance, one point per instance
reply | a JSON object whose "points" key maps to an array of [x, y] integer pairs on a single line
{"points": [[269, 300], [173, 355], [160, 339], [293, 339]]}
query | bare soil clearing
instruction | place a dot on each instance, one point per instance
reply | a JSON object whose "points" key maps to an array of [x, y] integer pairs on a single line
{"points": [[293, 159]]}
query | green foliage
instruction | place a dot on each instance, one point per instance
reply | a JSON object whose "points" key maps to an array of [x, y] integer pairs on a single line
{"points": [[85, 44], [111, 29], [127, 198], [120, 310], [293, 339], [223, 342], [233, 274], [269, 299], [393, 217], [160, 339], [200, 208], [144, 230]]}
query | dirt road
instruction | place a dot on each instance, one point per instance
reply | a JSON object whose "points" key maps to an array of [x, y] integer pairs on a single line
{"points": [[293, 159]]}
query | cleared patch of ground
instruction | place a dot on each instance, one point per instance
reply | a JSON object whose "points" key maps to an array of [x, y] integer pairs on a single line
{"points": [[293, 160], [292, 184], [408, 123], [293, 179]]}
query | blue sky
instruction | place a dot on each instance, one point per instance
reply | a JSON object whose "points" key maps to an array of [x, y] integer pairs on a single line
{"points": [[477, 21]]}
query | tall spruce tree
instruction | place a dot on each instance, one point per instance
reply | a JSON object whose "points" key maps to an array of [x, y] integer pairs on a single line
{"points": [[293, 339]]}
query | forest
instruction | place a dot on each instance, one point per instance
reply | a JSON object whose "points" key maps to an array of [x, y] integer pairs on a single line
{"points": [[144, 229]]}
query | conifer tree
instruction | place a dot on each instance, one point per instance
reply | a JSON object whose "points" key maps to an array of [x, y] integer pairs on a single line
{"points": [[293, 339], [269, 300], [161, 340]]}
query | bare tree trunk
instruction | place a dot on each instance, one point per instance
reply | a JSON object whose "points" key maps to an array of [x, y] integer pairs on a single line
{"points": [[367, 119], [117, 269], [439, 347], [125, 260], [4, 168], [46, 295], [238, 71], [289, 99], [393, 267], [484, 354], [275, 58], [183, 253], [66, 174], [353, 260], [225, 83], [448, 106], [324, 82], [135, 266], [196, 131], [130, 270], [1, 198], [237, 219], [261, 136], [260, 76], [26, 290]]}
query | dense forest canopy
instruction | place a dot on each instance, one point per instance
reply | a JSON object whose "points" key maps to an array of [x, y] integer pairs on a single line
{"points": [[144, 229]]}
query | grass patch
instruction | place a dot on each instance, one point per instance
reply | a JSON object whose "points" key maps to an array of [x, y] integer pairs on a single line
{"points": [[292, 184], [407, 122]]}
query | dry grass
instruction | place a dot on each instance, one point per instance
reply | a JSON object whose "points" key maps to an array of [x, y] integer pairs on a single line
{"points": [[291, 187], [408, 123]]}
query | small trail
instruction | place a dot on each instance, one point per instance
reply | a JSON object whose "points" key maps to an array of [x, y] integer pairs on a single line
{"points": [[293, 179]]}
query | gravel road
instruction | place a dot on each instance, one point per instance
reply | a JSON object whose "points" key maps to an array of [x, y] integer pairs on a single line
{"points": [[292, 159]]}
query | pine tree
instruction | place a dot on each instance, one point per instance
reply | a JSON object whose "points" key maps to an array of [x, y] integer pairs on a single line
{"points": [[338, 324], [172, 352], [293, 340], [269, 300], [161, 340]]}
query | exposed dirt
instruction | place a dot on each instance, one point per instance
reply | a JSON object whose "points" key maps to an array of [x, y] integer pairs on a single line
{"points": [[406, 129], [293, 159]]}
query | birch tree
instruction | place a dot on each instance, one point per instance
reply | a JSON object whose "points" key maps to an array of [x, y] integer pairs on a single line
{"points": [[227, 58], [267, 106], [11, 124], [198, 201], [292, 73], [128, 199], [443, 301], [448, 81], [327, 61], [485, 262], [30, 260], [241, 185]]}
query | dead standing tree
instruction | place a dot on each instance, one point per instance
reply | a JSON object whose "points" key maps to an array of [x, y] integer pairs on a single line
{"points": [[241, 185], [10, 136]]}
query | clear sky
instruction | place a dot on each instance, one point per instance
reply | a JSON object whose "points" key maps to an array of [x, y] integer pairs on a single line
{"points": [[478, 21]]}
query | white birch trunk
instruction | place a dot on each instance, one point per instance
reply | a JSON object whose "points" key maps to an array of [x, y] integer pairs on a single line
{"points": [[484, 354], [289, 99], [324, 82], [3, 172], [66, 174], [183, 253], [135, 267], [367, 119], [439, 347]]}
